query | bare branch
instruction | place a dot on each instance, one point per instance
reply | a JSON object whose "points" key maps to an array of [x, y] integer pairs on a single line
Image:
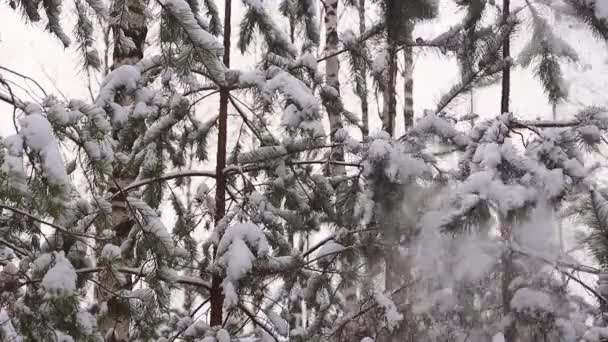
{"points": [[543, 124], [169, 176], [557, 263], [256, 320], [25, 77]]}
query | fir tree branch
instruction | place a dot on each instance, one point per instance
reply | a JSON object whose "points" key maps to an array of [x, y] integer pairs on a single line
{"points": [[542, 124], [268, 132], [206, 45], [184, 280], [369, 308], [17, 250], [336, 253], [245, 119], [169, 176], [254, 319], [587, 287], [331, 238], [288, 150], [77, 235], [203, 88], [324, 162], [458, 89], [556, 263], [585, 10], [372, 32], [236, 168]]}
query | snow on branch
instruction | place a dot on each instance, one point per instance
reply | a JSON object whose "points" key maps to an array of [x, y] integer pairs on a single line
{"points": [[123, 78], [60, 279], [240, 245], [12, 164], [53, 12], [557, 262], [173, 175], [268, 153], [275, 37], [434, 124], [486, 69], [38, 136], [53, 225], [302, 108], [209, 48], [153, 225]]}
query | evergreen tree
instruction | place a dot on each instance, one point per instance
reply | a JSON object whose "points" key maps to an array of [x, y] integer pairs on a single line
{"points": [[401, 222]]}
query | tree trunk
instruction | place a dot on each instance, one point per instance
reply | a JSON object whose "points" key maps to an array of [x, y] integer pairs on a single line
{"points": [[332, 74], [362, 92], [508, 274], [408, 85], [507, 224], [216, 295], [602, 287], [390, 225], [397, 265], [506, 53], [389, 95], [115, 323]]}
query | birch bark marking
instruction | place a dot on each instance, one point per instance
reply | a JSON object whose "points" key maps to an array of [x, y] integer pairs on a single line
{"points": [[507, 223], [332, 75], [362, 84], [389, 94], [408, 86]]}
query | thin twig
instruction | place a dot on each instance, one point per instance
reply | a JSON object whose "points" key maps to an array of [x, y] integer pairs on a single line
{"points": [[169, 176], [39, 220], [26, 78]]}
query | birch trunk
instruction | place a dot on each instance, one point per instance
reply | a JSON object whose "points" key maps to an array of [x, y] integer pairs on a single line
{"points": [[508, 274], [398, 266], [408, 86], [115, 322], [332, 75], [389, 111]]}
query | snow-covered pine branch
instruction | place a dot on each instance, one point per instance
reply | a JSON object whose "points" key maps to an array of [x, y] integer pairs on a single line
{"points": [[207, 46]]}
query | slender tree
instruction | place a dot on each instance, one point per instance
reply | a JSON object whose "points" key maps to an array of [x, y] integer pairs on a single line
{"points": [[506, 54], [332, 75], [216, 297], [129, 27], [361, 85], [408, 85]]}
